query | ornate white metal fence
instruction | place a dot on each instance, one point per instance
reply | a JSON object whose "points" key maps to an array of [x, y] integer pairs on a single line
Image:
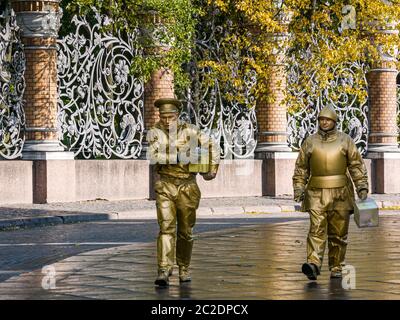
{"points": [[100, 103], [12, 86]]}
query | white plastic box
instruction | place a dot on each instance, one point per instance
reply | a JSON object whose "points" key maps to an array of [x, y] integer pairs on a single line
{"points": [[366, 213]]}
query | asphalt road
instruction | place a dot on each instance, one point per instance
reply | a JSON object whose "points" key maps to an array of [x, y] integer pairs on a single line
{"points": [[29, 249]]}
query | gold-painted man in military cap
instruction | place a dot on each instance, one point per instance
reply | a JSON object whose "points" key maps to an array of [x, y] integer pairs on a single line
{"points": [[327, 166], [173, 148]]}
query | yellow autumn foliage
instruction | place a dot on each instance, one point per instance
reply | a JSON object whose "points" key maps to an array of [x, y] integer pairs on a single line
{"points": [[335, 32]]}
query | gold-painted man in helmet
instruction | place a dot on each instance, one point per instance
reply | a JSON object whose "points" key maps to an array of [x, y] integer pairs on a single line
{"points": [[174, 149], [327, 164]]}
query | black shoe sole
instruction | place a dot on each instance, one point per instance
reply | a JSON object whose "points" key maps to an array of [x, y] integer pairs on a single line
{"points": [[309, 272], [161, 283], [183, 281]]}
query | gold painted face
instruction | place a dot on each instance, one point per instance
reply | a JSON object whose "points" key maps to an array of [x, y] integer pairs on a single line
{"points": [[168, 119], [326, 124]]}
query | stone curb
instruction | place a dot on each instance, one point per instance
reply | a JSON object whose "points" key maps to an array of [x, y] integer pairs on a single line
{"points": [[29, 222], [76, 218], [272, 211], [7, 224]]}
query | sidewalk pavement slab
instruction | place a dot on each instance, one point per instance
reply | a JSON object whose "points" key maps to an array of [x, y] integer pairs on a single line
{"points": [[204, 211], [135, 214], [227, 210]]}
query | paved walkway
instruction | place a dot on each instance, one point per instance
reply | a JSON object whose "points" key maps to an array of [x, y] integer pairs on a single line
{"points": [[28, 215], [248, 262]]}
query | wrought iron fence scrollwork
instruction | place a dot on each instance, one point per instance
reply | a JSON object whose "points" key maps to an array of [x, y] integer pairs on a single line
{"points": [[232, 124], [100, 105], [12, 87], [352, 111]]}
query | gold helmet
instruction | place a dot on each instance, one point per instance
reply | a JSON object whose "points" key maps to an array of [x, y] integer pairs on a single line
{"points": [[167, 105], [328, 112]]}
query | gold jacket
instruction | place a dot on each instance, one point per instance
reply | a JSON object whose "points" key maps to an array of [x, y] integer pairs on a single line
{"points": [[327, 164], [167, 161]]}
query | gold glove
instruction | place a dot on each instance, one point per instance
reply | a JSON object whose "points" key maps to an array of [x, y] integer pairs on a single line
{"points": [[298, 195], [209, 175], [363, 194]]}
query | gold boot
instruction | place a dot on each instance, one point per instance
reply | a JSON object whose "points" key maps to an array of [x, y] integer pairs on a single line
{"points": [[336, 273], [311, 270], [184, 275], [162, 279]]}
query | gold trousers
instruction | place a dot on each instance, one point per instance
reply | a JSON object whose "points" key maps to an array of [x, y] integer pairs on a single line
{"points": [[176, 214], [333, 225]]}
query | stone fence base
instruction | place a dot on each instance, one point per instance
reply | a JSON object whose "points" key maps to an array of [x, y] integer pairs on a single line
{"points": [[47, 181], [16, 181]]}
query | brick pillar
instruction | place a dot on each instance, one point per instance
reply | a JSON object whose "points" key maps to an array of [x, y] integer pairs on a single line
{"points": [[272, 147], [41, 92], [39, 23], [53, 170], [382, 92], [383, 148], [271, 114], [272, 109]]}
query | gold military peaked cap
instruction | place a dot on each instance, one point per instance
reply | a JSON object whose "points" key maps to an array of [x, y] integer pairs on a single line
{"points": [[328, 112], [166, 105]]}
